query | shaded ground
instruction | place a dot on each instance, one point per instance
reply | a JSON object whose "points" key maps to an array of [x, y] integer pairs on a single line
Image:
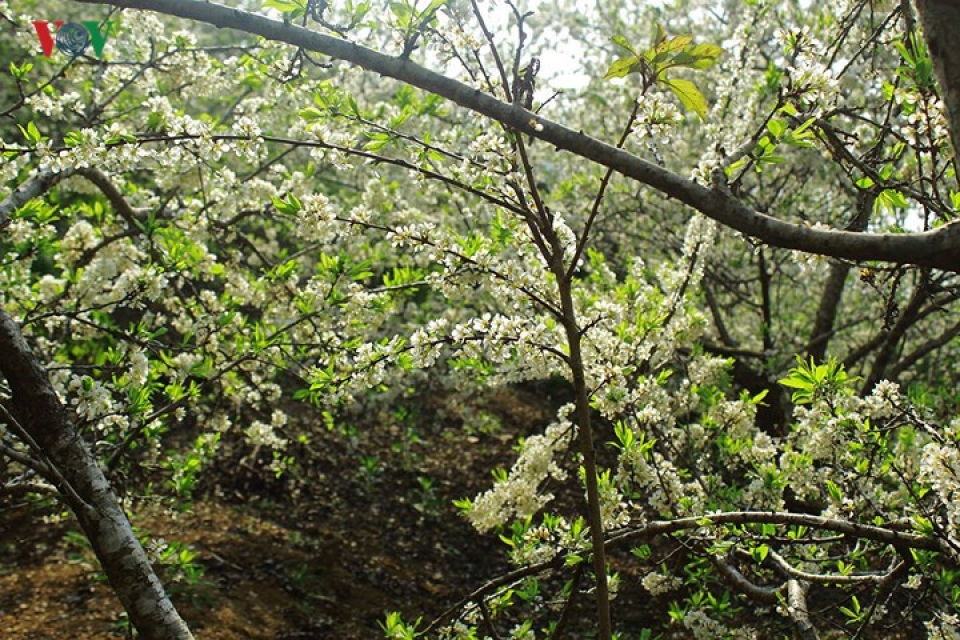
{"points": [[368, 528], [371, 529]]}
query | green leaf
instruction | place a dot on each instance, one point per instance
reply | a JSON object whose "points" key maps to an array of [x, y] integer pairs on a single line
{"points": [[73, 139], [19, 72], [465, 505], [776, 127], [402, 11], [312, 113], [759, 553], [689, 95], [681, 59], [289, 207], [789, 109], [835, 493], [378, 140], [620, 40], [434, 6], [293, 8], [890, 199], [31, 133], [803, 128], [122, 138], [923, 525], [707, 55], [661, 51], [620, 68], [853, 612], [573, 560], [643, 552]]}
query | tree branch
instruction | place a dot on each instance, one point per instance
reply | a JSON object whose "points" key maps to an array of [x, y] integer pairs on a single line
{"points": [[864, 531], [939, 248], [767, 595], [32, 188], [45, 423], [797, 608]]}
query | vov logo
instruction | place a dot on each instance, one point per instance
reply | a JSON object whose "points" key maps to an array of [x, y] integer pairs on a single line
{"points": [[72, 38]]}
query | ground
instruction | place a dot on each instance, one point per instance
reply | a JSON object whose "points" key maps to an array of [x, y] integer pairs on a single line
{"points": [[370, 529]]}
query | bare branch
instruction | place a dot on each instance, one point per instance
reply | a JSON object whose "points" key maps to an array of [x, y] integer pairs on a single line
{"points": [[797, 608], [768, 595], [868, 532], [876, 579]]}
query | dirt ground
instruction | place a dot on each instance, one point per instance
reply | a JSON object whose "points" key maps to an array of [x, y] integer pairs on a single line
{"points": [[370, 529]]}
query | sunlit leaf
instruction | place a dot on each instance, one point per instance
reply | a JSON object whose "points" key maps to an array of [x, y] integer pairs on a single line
{"points": [[620, 40], [622, 67], [689, 95]]}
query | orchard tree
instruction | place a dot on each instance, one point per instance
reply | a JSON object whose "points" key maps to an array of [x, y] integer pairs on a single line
{"points": [[736, 259]]}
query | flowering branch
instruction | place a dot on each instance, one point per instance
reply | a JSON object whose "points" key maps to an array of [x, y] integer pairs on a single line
{"points": [[796, 593], [939, 248], [33, 188], [38, 410]]}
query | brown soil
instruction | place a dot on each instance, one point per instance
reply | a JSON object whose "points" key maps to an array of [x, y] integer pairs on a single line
{"points": [[369, 529]]}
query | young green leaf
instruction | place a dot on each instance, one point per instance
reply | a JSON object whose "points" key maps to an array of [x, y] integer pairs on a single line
{"points": [[689, 95], [624, 66]]}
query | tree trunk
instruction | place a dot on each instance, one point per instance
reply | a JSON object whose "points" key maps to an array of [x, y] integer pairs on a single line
{"points": [[940, 20], [44, 423]]}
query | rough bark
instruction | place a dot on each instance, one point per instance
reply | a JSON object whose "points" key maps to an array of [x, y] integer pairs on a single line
{"points": [[939, 248], [797, 607], [47, 425]]}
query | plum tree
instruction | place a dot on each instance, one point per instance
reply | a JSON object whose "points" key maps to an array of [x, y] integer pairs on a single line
{"points": [[733, 239]]}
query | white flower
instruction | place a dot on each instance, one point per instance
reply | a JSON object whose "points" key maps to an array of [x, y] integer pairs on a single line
{"points": [[139, 368], [519, 494], [659, 584], [260, 434]]}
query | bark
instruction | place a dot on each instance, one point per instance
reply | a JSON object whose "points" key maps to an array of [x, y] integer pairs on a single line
{"points": [[827, 311], [797, 607], [940, 20], [939, 248], [47, 426], [588, 451]]}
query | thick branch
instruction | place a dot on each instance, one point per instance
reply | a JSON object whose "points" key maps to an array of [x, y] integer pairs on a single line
{"points": [[767, 595], [827, 311], [939, 248], [797, 608], [113, 195], [47, 426]]}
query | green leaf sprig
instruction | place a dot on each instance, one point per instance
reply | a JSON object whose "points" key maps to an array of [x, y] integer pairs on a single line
{"points": [[668, 53]]}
